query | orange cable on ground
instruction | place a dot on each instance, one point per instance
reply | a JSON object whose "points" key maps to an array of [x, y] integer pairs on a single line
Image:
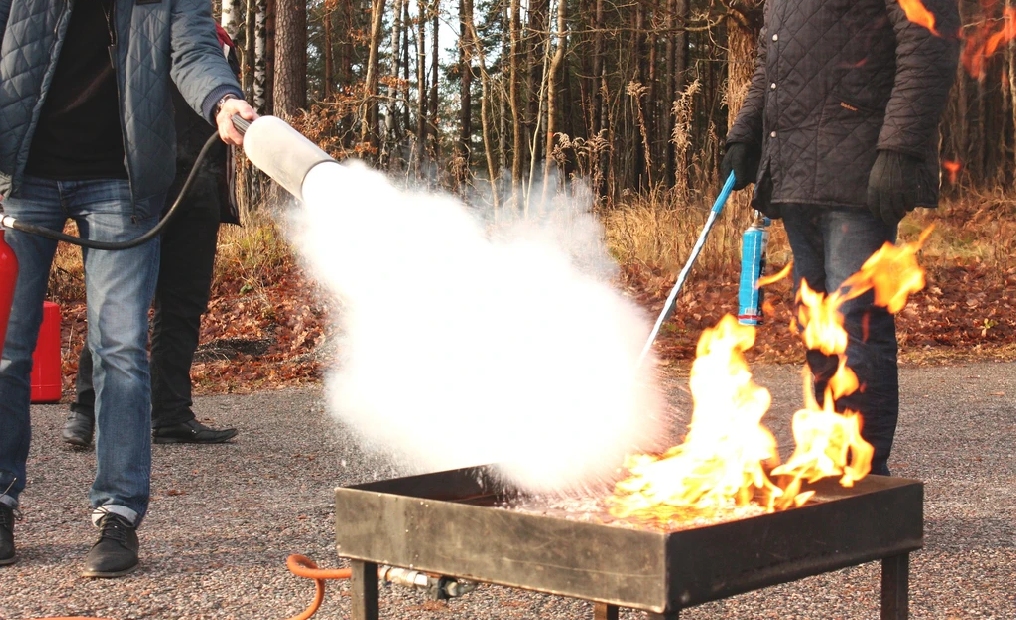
{"points": [[302, 566]]}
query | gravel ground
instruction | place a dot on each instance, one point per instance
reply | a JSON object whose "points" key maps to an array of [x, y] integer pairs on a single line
{"points": [[224, 518]]}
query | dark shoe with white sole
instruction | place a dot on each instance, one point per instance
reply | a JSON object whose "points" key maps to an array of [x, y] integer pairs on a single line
{"points": [[7, 555], [192, 431], [78, 430], [116, 552]]}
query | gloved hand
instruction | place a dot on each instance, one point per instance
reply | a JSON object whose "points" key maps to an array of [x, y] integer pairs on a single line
{"points": [[892, 186], [743, 159]]}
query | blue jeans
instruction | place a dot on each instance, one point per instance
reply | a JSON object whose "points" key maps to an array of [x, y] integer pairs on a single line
{"points": [[829, 245], [119, 285]]}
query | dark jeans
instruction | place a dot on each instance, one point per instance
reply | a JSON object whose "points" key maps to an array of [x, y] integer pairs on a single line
{"points": [[829, 245], [181, 297]]}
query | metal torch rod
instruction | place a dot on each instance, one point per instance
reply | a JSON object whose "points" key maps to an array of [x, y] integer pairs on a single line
{"points": [[668, 307]]}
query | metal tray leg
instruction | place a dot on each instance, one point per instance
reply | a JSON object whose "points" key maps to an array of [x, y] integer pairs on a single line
{"points": [[363, 587], [895, 590], [606, 611]]}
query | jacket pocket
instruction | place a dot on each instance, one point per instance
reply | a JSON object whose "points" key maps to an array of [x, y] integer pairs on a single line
{"points": [[847, 139]]}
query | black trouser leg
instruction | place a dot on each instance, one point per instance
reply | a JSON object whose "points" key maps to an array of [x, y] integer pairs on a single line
{"points": [[84, 398], [181, 297]]}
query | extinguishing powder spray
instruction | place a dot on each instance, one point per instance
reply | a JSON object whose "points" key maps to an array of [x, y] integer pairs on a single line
{"points": [[753, 264]]}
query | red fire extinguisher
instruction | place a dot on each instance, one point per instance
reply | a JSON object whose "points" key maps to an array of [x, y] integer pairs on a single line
{"points": [[8, 278]]}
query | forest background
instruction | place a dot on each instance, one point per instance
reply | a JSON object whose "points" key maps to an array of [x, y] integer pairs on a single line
{"points": [[505, 102]]}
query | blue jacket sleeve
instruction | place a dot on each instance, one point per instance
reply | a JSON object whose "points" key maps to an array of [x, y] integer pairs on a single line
{"points": [[199, 68]]}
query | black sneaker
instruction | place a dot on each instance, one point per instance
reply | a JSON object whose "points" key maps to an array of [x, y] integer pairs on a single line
{"points": [[116, 551], [7, 555], [191, 431], [78, 430]]}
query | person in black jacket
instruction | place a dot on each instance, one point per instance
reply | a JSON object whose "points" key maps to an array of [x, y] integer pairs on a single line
{"points": [[187, 257], [839, 133]]}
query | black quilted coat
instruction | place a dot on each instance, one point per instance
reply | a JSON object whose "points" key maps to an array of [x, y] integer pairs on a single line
{"points": [[837, 80]]}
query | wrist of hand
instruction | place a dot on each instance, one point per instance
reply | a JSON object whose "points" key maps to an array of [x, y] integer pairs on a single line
{"points": [[222, 102]]}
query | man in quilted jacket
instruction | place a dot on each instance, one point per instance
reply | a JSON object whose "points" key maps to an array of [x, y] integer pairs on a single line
{"points": [[86, 133], [839, 133]]}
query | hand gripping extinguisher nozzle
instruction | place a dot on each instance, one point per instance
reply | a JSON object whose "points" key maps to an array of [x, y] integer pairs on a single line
{"points": [[753, 264]]}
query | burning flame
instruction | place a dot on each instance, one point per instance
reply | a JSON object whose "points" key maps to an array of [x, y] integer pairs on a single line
{"points": [[919, 14], [986, 39], [723, 460], [982, 41], [952, 168]]}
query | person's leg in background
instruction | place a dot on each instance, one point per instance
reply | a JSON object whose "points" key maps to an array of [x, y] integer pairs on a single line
{"points": [[830, 245], [80, 424], [36, 202], [120, 285], [181, 298]]}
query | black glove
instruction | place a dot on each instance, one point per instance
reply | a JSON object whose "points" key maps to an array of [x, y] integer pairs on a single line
{"points": [[892, 186], [743, 160]]}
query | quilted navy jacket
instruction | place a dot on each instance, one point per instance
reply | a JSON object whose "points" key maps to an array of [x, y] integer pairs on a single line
{"points": [[155, 40], [837, 80]]}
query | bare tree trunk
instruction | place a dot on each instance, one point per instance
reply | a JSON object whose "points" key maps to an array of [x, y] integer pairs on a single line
{"points": [[536, 49], [406, 21], [599, 89], [555, 66], [270, 6], [514, 103], [669, 90], [465, 91], [231, 17], [291, 57], [256, 63], [598, 44], [368, 126], [742, 42], [488, 143], [435, 53], [247, 50], [421, 84], [391, 116], [329, 77]]}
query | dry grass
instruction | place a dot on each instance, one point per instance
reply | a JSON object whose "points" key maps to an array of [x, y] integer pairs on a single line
{"points": [[659, 229], [655, 230], [976, 229], [67, 278]]}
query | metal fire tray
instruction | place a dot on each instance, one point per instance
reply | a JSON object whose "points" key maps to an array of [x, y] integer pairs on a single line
{"points": [[449, 523]]}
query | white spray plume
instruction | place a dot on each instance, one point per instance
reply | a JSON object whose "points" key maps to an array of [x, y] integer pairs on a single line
{"points": [[463, 348]]}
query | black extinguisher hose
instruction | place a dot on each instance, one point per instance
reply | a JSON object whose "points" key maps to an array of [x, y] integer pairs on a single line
{"points": [[9, 222]]}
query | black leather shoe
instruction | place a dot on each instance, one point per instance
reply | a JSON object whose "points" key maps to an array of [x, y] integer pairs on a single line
{"points": [[191, 431], [7, 555], [116, 551], [78, 430]]}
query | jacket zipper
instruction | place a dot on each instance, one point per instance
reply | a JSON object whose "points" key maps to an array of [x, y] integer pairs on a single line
{"points": [[113, 41]]}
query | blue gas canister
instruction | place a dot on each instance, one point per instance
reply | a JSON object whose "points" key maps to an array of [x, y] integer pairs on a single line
{"points": [[753, 264]]}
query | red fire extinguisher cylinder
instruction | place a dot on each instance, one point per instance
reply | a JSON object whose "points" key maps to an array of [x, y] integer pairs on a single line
{"points": [[8, 278]]}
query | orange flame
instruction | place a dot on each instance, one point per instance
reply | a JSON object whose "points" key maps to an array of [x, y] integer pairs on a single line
{"points": [[985, 40], [919, 14], [723, 460], [952, 168]]}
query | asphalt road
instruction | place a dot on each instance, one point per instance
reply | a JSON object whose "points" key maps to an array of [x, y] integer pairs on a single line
{"points": [[224, 518]]}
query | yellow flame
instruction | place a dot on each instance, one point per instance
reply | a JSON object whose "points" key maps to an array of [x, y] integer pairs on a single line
{"points": [[724, 458], [721, 460]]}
